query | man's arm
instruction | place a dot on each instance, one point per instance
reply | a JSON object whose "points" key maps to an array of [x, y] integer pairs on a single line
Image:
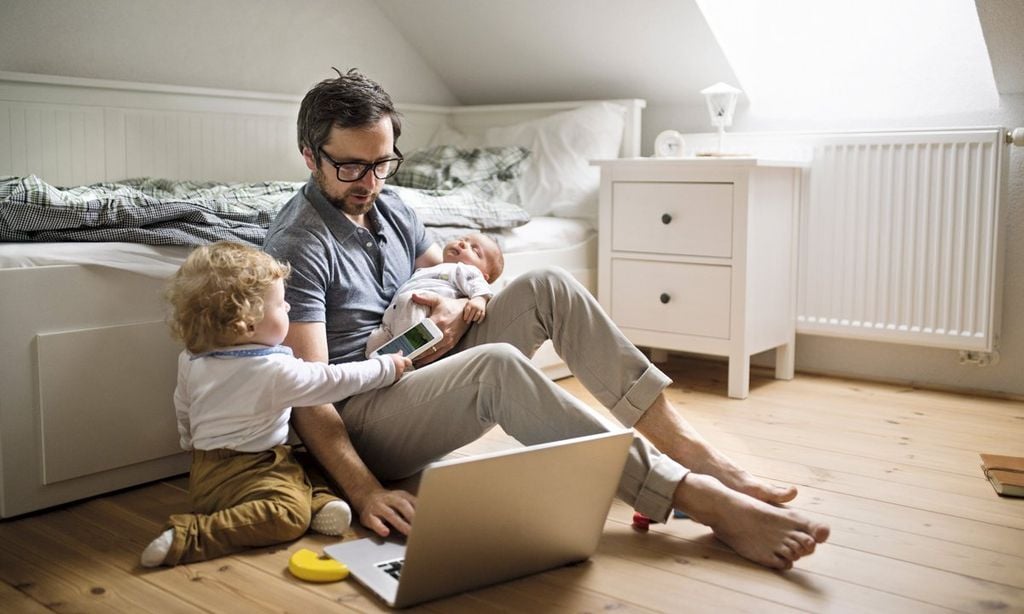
{"points": [[432, 256], [324, 433]]}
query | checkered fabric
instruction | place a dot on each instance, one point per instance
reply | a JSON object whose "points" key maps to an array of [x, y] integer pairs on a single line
{"points": [[453, 188], [165, 212], [463, 207], [492, 172], [153, 211]]}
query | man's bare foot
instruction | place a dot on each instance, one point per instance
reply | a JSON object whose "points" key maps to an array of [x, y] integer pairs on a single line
{"points": [[772, 536], [740, 480], [674, 436]]}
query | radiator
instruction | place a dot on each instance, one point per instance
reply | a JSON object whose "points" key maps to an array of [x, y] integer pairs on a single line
{"points": [[900, 238]]}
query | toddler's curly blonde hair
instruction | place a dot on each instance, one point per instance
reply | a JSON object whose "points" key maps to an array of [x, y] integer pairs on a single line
{"points": [[217, 295]]}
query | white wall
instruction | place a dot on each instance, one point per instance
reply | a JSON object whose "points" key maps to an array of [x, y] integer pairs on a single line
{"points": [[280, 46], [287, 45]]}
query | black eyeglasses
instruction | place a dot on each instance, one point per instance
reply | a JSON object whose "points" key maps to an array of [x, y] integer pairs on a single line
{"points": [[354, 171]]}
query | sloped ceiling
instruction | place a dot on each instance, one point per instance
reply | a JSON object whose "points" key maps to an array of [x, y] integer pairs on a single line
{"points": [[491, 51], [1002, 21]]}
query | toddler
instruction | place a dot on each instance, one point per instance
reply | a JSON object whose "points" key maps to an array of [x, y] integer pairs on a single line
{"points": [[236, 387], [468, 265]]}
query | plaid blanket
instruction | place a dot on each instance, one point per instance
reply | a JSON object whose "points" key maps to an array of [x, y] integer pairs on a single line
{"points": [[491, 172], [153, 211], [163, 212], [453, 189]]}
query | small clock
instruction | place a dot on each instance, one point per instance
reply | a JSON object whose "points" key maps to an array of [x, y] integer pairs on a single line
{"points": [[669, 144]]}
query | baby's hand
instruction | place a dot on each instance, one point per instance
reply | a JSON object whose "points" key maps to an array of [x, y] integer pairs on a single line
{"points": [[401, 364], [475, 310]]}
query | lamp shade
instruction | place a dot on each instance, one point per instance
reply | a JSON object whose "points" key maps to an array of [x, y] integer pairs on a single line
{"points": [[721, 99]]}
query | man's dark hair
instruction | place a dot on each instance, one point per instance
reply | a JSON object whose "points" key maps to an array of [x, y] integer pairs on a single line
{"points": [[350, 101]]}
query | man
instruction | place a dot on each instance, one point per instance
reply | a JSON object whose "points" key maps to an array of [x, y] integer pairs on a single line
{"points": [[351, 243]]}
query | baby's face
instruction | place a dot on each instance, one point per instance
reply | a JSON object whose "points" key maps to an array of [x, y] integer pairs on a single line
{"points": [[476, 249]]}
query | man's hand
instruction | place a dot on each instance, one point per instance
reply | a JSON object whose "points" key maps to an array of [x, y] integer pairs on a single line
{"points": [[394, 507], [447, 314]]}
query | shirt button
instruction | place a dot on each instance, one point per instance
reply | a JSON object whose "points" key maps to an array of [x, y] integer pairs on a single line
{"points": [[368, 244]]}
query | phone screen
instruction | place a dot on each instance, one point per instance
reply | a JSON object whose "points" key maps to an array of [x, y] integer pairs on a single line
{"points": [[413, 339]]}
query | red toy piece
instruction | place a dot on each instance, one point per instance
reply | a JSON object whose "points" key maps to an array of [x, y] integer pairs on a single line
{"points": [[640, 522], [643, 523]]}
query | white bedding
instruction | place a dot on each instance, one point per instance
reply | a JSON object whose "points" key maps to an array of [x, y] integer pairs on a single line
{"points": [[548, 233], [539, 235]]}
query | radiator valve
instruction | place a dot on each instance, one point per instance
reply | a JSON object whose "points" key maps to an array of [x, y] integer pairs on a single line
{"points": [[980, 359], [1015, 137]]}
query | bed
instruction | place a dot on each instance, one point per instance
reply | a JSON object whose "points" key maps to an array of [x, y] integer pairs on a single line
{"points": [[88, 366]]}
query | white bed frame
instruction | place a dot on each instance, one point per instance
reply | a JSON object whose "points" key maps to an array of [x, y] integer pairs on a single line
{"points": [[88, 366]]}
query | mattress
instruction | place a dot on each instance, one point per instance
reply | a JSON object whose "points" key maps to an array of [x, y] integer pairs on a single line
{"points": [[151, 260]]}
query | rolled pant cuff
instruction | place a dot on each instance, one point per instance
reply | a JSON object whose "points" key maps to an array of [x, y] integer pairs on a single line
{"points": [[655, 498], [640, 396]]}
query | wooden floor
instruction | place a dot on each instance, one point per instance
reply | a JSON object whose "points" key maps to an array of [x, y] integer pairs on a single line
{"points": [[894, 470]]}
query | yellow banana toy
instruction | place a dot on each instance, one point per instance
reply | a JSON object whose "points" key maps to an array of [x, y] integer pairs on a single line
{"points": [[308, 565]]}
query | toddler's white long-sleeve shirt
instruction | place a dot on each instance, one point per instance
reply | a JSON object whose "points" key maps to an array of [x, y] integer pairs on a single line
{"points": [[241, 397]]}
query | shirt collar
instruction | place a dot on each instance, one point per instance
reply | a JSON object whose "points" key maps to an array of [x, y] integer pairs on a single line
{"points": [[243, 351], [341, 227]]}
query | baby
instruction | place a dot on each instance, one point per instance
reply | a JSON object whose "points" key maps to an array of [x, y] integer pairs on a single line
{"points": [[469, 264], [236, 387]]}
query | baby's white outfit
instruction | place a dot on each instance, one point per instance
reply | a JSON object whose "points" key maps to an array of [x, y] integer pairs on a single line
{"points": [[448, 279]]}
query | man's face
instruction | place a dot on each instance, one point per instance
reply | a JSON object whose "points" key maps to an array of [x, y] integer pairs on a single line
{"points": [[362, 145]]}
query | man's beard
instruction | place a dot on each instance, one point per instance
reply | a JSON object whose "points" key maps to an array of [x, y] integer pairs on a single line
{"points": [[341, 203]]}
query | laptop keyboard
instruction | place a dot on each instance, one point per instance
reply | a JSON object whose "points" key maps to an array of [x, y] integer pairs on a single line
{"points": [[392, 568]]}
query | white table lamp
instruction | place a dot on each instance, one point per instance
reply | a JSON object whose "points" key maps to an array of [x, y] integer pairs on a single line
{"points": [[721, 99]]}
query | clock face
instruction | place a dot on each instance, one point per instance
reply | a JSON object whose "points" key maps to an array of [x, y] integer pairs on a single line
{"points": [[669, 144]]}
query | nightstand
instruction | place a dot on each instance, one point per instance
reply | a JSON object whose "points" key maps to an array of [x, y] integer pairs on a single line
{"points": [[699, 255]]}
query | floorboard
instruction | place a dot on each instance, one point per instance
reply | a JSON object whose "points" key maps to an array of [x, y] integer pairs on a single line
{"points": [[893, 469]]}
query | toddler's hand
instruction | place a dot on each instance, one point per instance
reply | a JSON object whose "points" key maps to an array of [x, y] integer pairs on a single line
{"points": [[401, 364], [474, 310]]}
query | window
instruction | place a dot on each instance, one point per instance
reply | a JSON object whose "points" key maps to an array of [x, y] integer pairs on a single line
{"points": [[855, 58]]}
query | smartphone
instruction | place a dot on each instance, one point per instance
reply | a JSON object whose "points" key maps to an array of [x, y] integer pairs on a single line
{"points": [[419, 338]]}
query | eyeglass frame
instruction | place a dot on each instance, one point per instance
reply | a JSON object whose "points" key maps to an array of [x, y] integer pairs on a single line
{"points": [[366, 166]]}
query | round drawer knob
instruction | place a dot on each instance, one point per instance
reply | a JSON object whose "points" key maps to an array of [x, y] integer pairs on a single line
{"points": [[665, 218], [665, 298]]}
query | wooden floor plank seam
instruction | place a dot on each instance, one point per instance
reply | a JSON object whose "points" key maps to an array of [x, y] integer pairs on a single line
{"points": [[893, 469]]}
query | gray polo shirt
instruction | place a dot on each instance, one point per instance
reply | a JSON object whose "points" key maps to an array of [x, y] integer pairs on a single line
{"points": [[343, 274]]}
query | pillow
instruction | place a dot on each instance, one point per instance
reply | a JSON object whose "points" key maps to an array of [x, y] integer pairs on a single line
{"points": [[464, 207], [493, 171], [558, 179]]}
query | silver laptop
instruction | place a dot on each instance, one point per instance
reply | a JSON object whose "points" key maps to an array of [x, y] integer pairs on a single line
{"points": [[491, 518]]}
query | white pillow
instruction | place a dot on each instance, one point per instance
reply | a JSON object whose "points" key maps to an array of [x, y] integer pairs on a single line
{"points": [[559, 179]]}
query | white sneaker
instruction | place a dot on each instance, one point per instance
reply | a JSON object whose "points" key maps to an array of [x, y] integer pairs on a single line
{"points": [[332, 519], [156, 551]]}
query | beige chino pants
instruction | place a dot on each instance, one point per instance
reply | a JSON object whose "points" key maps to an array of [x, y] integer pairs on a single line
{"points": [[490, 381]]}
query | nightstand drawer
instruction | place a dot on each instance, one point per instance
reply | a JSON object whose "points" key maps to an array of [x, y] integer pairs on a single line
{"points": [[689, 299], [685, 219]]}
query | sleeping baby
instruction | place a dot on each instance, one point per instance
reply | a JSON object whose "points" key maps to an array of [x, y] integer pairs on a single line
{"points": [[469, 265]]}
